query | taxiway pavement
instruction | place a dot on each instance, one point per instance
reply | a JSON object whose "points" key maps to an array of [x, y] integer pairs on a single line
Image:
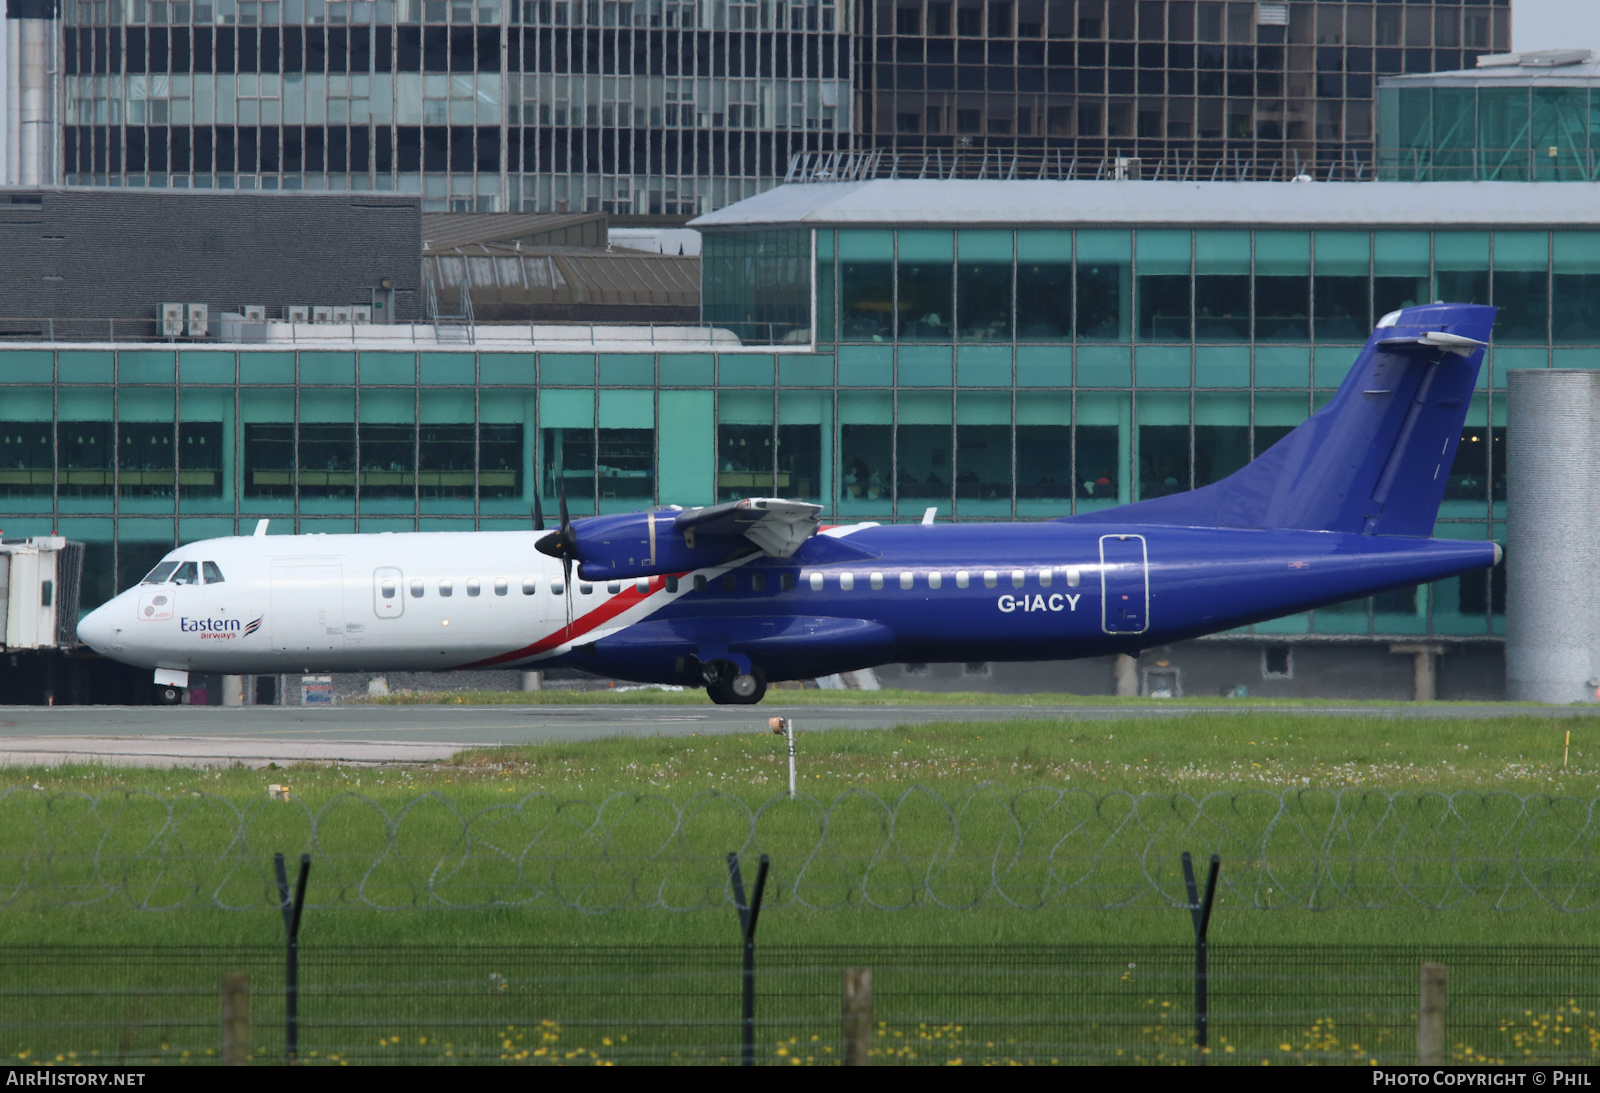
{"points": [[371, 735]]}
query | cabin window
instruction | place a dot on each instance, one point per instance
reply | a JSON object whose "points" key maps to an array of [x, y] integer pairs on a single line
{"points": [[1018, 578], [416, 590], [877, 581], [907, 580], [212, 573], [386, 589], [758, 582], [817, 581], [529, 586], [935, 579], [990, 578], [1044, 578], [642, 586], [586, 589], [729, 583], [160, 573], [446, 588], [501, 586], [962, 579], [847, 581], [613, 588], [557, 588], [672, 584], [786, 582], [1074, 575], [188, 573], [474, 586], [699, 582]]}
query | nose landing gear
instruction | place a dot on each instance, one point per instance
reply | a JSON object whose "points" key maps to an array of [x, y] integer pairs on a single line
{"points": [[170, 696]]}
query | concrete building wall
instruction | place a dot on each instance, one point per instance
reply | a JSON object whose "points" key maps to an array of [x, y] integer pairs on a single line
{"points": [[117, 254]]}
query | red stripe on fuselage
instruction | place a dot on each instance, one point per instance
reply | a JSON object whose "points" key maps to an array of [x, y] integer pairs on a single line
{"points": [[607, 611]]}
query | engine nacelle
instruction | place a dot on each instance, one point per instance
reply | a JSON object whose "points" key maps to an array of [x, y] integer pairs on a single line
{"points": [[643, 544]]}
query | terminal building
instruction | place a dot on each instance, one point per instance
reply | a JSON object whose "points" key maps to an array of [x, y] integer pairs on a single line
{"points": [[989, 350]]}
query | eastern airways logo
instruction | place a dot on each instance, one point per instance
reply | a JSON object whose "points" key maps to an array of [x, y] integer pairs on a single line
{"points": [[219, 629]]}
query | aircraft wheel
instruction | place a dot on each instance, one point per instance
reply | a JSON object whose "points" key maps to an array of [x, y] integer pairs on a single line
{"points": [[169, 696], [744, 689]]}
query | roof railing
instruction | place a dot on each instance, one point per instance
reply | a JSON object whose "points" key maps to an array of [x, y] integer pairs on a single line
{"points": [[982, 163]]}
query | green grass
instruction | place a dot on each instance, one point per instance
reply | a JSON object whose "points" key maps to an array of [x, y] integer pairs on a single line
{"points": [[1195, 754]]}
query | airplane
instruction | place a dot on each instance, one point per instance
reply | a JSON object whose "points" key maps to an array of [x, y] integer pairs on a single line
{"points": [[736, 596]]}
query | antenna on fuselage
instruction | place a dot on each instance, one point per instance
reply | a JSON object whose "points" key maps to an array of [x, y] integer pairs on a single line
{"points": [[261, 528]]}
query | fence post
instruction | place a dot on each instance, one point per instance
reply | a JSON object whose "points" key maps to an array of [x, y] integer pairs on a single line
{"points": [[291, 967], [748, 912], [857, 1016], [1430, 1016], [235, 1019], [1200, 913]]}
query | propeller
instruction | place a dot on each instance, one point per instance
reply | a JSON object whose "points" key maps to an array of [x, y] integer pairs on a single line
{"points": [[563, 544]]}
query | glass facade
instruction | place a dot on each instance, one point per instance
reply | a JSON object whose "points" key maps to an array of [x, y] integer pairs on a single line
{"points": [[1496, 130], [657, 107], [1181, 86]]}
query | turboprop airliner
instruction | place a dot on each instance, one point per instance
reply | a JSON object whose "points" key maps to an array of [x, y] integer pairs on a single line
{"points": [[734, 596]]}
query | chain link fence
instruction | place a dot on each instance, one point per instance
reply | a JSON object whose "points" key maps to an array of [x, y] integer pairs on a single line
{"points": [[1035, 848]]}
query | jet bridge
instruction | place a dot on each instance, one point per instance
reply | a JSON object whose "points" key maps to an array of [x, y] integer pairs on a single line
{"points": [[39, 581]]}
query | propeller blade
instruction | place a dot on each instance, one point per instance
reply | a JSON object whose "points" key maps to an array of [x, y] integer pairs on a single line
{"points": [[538, 512], [561, 496]]}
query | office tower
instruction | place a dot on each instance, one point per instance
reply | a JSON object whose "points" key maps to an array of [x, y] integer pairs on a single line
{"points": [[1210, 88], [655, 107]]}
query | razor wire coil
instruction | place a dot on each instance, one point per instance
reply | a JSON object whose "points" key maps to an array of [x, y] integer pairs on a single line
{"points": [[986, 847]]}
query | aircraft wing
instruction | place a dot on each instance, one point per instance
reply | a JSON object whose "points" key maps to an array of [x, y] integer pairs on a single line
{"points": [[775, 525]]}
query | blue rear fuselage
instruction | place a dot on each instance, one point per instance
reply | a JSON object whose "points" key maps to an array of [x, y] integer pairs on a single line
{"points": [[1014, 591]]}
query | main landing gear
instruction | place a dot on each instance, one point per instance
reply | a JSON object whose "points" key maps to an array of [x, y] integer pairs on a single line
{"points": [[170, 696], [728, 686]]}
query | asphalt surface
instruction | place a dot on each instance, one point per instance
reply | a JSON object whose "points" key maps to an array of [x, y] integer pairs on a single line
{"points": [[370, 735]]}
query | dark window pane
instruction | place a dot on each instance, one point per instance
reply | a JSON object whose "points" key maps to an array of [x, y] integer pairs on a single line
{"points": [[1283, 306], [1341, 304], [200, 463], [1219, 450], [1522, 297], [1222, 308], [1463, 287], [1100, 302], [500, 461], [744, 461], [864, 465], [1044, 295], [568, 465], [388, 461], [327, 460], [1044, 461], [1393, 293], [444, 465], [1268, 435], [983, 300], [26, 459], [269, 460], [866, 299], [1164, 308], [925, 304], [923, 462], [1163, 460], [800, 462], [1097, 461], [1575, 307], [627, 464], [85, 448], [983, 463], [1469, 474]]}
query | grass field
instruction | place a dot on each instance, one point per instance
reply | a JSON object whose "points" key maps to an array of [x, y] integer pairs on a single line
{"points": [[1198, 754]]}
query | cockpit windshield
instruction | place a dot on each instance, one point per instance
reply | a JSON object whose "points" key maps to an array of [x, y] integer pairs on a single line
{"points": [[160, 573], [213, 574], [188, 573]]}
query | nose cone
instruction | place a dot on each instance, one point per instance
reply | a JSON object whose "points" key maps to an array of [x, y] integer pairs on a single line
{"points": [[97, 632]]}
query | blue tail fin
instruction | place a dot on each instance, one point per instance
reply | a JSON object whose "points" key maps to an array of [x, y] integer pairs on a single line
{"points": [[1374, 460]]}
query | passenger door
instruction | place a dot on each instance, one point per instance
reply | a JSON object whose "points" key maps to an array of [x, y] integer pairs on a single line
{"points": [[388, 592], [308, 607], [1124, 584]]}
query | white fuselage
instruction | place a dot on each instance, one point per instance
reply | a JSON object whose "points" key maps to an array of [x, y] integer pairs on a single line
{"points": [[388, 602]]}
